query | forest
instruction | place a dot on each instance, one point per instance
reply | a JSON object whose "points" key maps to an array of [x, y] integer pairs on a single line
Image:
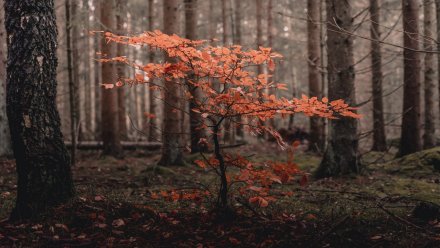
{"points": [[219, 123]]}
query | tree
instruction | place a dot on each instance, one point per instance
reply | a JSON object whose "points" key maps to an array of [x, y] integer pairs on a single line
{"points": [[314, 61], [194, 117], [171, 151], [227, 41], [437, 7], [43, 166], [152, 132], [341, 155], [429, 138], [410, 141], [238, 12], [5, 144], [120, 10], [109, 110], [379, 139], [241, 96]]}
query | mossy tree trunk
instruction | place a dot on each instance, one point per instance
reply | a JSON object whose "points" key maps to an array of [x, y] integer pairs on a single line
{"points": [[43, 166]]}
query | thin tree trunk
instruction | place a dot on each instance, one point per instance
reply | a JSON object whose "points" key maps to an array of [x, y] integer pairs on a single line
{"points": [[42, 160], [341, 155], [227, 41], [152, 128], [74, 23], [437, 7], [171, 151], [429, 138], [5, 144], [120, 68], [87, 78], [97, 75], [314, 61], [72, 88], [270, 35], [379, 139], [237, 41], [109, 110], [410, 141]]}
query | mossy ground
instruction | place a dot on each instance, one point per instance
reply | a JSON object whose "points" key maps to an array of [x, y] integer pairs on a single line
{"points": [[370, 210]]}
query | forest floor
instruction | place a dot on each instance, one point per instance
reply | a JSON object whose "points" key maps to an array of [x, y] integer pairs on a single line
{"points": [[113, 207]]}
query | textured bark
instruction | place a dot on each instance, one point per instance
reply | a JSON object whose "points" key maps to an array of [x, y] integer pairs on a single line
{"points": [[5, 144], [74, 32], [379, 139], [437, 7], [87, 78], [314, 61], [227, 41], [238, 40], [43, 167], [171, 152], [429, 138], [410, 140], [97, 75], [270, 36], [72, 88], [195, 119], [152, 128], [120, 68], [341, 156], [260, 42], [109, 109]]}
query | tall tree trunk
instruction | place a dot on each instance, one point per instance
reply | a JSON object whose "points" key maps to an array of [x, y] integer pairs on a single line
{"points": [[75, 35], [171, 151], [109, 107], [260, 43], [437, 7], [341, 155], [87, 65], [152, 128], [410, 141], [43, 166], [314, 61], [97, 80], [5, 144], [120, 68], [429, 138], [237, 41], [379, 139], [72, 88], [195, 120], [270, 35], [227, 41]]}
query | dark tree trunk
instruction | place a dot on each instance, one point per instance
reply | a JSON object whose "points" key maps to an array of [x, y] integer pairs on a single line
{"points": [[152, 128], [97, 80], [238, 40], [121, 69], [171, 150], [195, 120], [43, 166], [314, 61], [410, 141], [437, 7], [429, 138], [341, 156], [379, 140], [5, 144], [109, 107]]}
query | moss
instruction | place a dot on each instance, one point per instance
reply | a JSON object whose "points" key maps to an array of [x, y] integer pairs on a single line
{"points": [[423, 163]]}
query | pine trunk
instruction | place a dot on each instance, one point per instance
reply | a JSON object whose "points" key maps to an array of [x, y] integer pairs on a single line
{"points": [[410, 141], [314, 61], [379, 140], [171, 150], [43, 166], [109, 105], [341, 156], [429, 138], [5, 144]]}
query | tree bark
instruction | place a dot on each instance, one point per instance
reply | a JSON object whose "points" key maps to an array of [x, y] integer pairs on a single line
{"points": [[97, 75], [410, 141], [227, 41], [314, 61], [152, 128], [120, 68], [195, 119], [437, 7], [72, 87], [237, 41], [109, 105], [43, 166], [171, 151], [5, 144], [379, 139], [87, 65], [341, 156], [429, 138]]}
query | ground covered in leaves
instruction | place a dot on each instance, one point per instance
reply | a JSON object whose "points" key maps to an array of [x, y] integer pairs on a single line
{"points": [[114, 208]]}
